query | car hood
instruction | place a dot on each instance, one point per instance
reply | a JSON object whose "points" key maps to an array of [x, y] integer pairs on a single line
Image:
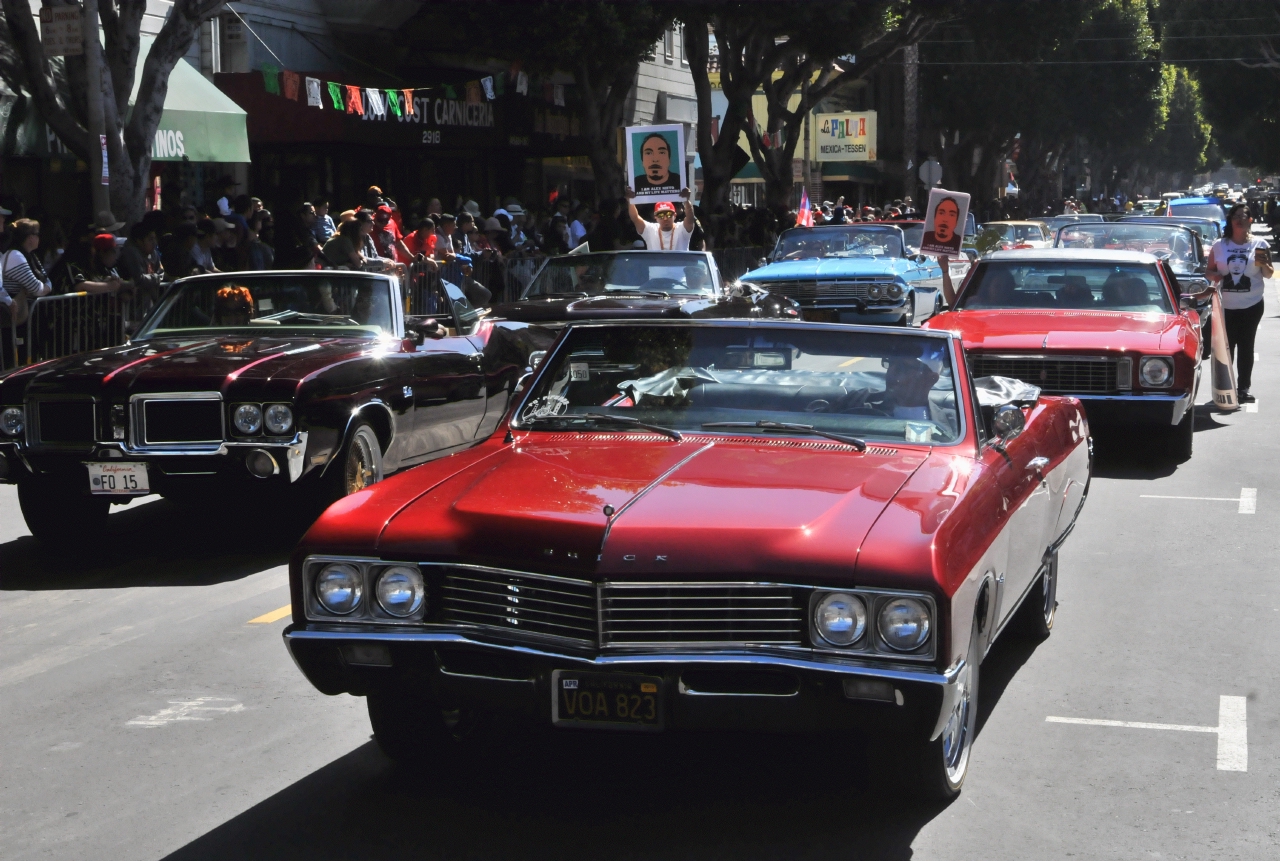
{"points": [[599, 307], [777, 508], [828, 267], [189, 364], [1062, 330]]}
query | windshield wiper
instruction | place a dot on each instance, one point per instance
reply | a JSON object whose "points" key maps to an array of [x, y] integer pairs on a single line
{"points": [[791, 427], [602, 417]]}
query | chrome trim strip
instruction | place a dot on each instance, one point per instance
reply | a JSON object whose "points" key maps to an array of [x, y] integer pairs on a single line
{"points": [[137, 441], [608, 527]]}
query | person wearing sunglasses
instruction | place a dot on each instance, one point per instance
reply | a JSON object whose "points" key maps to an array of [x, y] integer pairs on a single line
{"points": [[1238, 263], [663, 234]]}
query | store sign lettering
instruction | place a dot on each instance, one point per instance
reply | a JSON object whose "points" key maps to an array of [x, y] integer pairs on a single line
{"points": [[168, 144], [442, 112]]}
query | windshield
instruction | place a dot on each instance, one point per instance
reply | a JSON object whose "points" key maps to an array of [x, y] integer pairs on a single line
{"points": [[896, 387], [1087, 285], [1198, 210], [852, 241], [1207, 230], [1175, 244], [1020, 232], [1061, 220], [628, 272], [361, 306]]}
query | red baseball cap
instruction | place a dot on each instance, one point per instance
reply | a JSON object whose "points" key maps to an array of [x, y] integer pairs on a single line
{"points": [[104, 242], [664, 206], [383, 210]]}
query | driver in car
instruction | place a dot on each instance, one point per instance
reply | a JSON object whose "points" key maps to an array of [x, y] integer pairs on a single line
{"points": [[232, 306]]}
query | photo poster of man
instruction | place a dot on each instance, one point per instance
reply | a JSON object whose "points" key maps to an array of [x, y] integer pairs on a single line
{"points": [[944, 222], [1224, 375], [655, 159]]}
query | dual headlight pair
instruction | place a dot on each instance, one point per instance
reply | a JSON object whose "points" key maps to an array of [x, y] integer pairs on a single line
{"points": [[399, 590], [249, 419], [841, 619], [13, 421], [884, 291]]}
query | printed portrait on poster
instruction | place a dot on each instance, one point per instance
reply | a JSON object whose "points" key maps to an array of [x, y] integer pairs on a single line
{"points": [[944, 222], [655, 160]]}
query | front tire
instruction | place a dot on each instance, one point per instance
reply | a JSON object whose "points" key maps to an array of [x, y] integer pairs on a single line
{"points": [[409, 730], [944, 762], [60, 514], [1035, 617], [357, 467], [1181, 437]]}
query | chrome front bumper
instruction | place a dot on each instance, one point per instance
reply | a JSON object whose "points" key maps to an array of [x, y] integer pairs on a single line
{"points": [[1137, 409]]}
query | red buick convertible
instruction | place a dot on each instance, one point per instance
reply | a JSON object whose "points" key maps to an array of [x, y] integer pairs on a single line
{"points": [[707, 524], [1108, 327]]}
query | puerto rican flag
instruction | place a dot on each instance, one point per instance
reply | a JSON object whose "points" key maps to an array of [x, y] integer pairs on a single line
{"points": [[804, 218]]}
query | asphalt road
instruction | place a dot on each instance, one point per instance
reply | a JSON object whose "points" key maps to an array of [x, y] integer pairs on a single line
{"points": [[147, 715]]}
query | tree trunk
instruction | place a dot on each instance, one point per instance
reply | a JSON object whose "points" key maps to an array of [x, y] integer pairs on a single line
{"points": [[604, 104]]}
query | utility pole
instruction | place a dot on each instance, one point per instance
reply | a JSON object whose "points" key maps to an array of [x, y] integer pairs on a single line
{"points": [[93, 60], [910, 115], [804, 103]]}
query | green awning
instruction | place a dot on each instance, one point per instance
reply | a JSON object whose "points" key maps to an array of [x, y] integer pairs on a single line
{"points": [[199, 123], [852, 171]]}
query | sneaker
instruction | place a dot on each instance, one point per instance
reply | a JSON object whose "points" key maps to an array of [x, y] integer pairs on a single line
{"points": [[1244, 397]]}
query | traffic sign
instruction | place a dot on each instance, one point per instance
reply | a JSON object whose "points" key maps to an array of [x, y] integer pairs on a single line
{"points": [[931, 173]]}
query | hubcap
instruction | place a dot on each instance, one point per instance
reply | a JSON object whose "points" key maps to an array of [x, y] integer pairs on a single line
{"points": [[1049, 587], [360, 471], [955, 737]]}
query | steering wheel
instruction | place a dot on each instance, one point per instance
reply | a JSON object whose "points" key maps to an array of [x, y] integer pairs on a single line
{"points": [[663, 284]]}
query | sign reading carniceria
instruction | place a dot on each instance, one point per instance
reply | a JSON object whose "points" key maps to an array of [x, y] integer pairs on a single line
{"points": [[845, 137]]}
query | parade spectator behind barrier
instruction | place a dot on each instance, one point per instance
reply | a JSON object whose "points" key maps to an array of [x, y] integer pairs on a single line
{"points": [[447, 226], [477, 294], [422, 243], [342, 250], [665, 234], [501, 239], [517, 213], [258, 255], [495, 234], [4, 230], [298, 248], [23, 274], [386, 238], [100, 275], [373, 259], [434, 208], [579, 227], [228, 186], [202, 250], [323, 227], [176, 248], [468, 239], [139, 264], [241, 212], [190, 214], [226, 249], [556, 240]]}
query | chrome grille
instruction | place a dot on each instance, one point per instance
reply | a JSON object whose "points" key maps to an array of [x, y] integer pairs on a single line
{"points": [[813, 291], [517, 602], [1065, 375], [758, 613], [182, 421]]}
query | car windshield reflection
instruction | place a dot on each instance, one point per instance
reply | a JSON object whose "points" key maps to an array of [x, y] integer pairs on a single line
{"points": [[1175, 244], [896, 387], [1084, 286], [850, 241], [350, 304], [643, 272]]}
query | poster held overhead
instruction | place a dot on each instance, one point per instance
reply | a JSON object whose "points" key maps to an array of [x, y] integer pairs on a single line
{"points": [[1224, 375], [655, 157], [944, 222]]}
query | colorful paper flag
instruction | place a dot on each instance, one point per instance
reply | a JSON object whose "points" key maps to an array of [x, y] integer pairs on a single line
{"points": [[487, 83], [557, 93], [473, 92], [393, 103], [373, 103], [450, 92], [271, 78], [335, 93], [498, 84], [291, 81], [408, 101], [354, 104], [522, 83], [313, 93], [804, 217]]}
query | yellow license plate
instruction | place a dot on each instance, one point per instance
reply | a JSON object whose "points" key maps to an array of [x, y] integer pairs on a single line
{"points": [[607, 700]]}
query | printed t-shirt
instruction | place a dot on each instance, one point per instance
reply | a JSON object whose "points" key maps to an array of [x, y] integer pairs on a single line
{"points": [[1242, 284]]}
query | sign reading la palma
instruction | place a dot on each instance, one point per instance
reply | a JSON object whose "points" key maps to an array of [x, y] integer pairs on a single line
{"points": [[845, 137]]}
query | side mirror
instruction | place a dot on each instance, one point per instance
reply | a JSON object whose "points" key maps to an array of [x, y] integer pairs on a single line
{"points": [[1007, 423], [535, 359], [764, 261]]}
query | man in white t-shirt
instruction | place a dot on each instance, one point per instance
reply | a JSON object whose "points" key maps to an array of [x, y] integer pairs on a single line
{"points": [[664, 234]]}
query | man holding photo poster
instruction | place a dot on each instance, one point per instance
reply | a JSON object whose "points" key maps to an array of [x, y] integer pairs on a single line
{"points": [[654, 157], [943, 226]]}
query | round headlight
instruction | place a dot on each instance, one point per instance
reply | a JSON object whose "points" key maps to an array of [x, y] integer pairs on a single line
{"points": [[278, 419], [12, 421], [339, 588], [904, 624], [400, 591], [247, 419], [894, 291], [840, 618], [875, 291], [1156, 372]]}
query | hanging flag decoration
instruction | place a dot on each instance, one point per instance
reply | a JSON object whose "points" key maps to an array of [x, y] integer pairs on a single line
{"points": [[408, 101], [473, 92], [354, 104], [393, 103], [450, 92], [290, 81], [335, 93], [313, 93], [558, 94], [271, 78], [373, 102], [498, 85], [522, 83], [804, 215], [548, 92], [487, 83]]}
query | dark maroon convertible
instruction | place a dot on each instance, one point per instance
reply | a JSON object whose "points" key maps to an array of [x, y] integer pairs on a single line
{"points": [[313, 383]]}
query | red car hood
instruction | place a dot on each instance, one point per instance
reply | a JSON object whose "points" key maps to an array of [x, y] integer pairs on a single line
{"points": [[992, 331], [785, 509]]}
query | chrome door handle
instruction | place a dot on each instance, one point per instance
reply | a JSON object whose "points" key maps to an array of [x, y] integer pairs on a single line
{"points": [[1038, 463]]}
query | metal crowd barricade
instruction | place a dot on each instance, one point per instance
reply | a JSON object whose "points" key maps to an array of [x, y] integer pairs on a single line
{"points": [[74, 323], [10, 356]]}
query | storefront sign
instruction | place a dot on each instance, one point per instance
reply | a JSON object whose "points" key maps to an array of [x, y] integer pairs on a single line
{"points": [[845, 137], [60, 31]]}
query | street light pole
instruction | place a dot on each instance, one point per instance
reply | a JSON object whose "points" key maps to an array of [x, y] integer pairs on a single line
{"points": [[804, 103], [98, 166]]}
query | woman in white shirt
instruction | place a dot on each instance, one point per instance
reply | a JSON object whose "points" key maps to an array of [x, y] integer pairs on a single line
{"points": [[1238, 263]]}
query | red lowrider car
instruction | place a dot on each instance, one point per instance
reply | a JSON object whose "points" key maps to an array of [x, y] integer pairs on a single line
{"points": [[705, 524], [1107, 327]]}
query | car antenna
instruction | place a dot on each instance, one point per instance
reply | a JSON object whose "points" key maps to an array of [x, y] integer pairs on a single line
{"points": [[508, 438]]}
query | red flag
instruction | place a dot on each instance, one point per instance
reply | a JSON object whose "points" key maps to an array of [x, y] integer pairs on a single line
{"points": [[804, 218], [408, 101], [354, 104]]}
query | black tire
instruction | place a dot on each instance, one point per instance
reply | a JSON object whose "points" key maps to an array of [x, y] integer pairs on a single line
{"points": [[409, 730], [60, 513], [358, 466], [1034, 620], [944, 762], [1180, 438]]}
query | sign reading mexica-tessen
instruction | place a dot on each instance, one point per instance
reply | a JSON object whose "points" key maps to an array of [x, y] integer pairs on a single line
{"points": [[845, 137]]}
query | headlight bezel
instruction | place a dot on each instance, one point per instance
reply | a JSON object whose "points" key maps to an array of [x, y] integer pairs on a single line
{"points": [[356, 587], [858, 609], [285, 428], [254, 429], [369, 610], [905, 600], [1156, 361], [21, 428], [417, 582], [894, 291], [872, 644]]}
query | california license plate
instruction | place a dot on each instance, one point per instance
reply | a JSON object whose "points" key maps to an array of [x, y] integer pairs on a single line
{"points": [[609, 700], [821, 315], [112, 478]]}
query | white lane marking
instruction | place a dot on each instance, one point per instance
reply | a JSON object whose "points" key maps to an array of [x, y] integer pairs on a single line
{"points": [[186, 710], [1247, 501], [1250, 408], [1232, 731]]}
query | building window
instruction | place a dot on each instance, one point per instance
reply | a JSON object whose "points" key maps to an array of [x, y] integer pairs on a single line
{"points": [[684, 52], [668, 44]]}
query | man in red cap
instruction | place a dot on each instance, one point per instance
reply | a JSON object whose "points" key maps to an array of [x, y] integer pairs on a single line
{"points": [[100, 275], [664, 235]]}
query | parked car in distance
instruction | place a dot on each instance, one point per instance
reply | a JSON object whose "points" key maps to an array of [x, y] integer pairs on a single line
{"points": [[852, 273], [1011, 235], [255, 384], [638, 284], [703, 525], [1107, 327], [1209, 231], [1198, 207], [1057, 221]]}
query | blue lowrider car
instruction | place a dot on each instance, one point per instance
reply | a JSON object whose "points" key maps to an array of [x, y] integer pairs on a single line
{"points": [[852, 273]]}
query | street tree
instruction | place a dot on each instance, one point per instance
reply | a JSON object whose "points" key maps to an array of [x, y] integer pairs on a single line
{"points": [[774, 49], [61, 94]]}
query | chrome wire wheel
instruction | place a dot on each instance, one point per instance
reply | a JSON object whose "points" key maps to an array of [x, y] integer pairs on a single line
{"points": [[361, 467], [1049, 590], [957, 735]]}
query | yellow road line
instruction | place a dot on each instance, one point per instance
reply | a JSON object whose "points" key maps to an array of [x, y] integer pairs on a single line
{"points": [[273, 616]]}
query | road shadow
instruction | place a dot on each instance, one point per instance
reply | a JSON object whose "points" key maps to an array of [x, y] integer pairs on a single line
{"points": [[157, 544], [543, 794], [1002, 663]]}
